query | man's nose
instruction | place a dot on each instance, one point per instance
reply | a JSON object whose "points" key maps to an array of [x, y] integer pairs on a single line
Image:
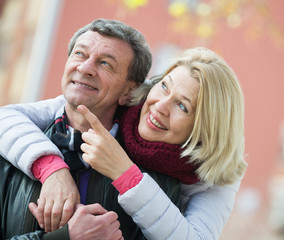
{"points": [[87, 68]]}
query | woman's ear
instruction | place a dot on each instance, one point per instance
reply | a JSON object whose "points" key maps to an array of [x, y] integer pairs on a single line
{"points": [[126, 95]]}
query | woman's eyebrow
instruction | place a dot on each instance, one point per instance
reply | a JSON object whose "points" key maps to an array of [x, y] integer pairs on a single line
{"points": [[182, 95]]}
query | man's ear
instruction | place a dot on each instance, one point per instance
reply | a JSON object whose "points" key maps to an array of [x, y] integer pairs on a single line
{"points": [[126, 95]]}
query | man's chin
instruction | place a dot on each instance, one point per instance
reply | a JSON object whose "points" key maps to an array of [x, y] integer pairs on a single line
{"points": [[75, 101]]}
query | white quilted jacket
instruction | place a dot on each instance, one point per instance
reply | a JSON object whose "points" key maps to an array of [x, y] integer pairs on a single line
{"points": [[205, 208]]}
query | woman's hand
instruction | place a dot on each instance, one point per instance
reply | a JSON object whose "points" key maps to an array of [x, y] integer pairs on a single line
{"points": [[101, 150]]}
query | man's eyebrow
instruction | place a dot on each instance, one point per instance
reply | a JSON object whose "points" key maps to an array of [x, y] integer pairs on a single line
{"points": [[84, 46], [81, 45], [109, 56]]}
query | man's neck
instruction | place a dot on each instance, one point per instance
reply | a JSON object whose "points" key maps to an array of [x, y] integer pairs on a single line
{"points": [[77, 121]]}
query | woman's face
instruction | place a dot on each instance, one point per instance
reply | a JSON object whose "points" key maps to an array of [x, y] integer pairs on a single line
{"points": [[169, 110]]}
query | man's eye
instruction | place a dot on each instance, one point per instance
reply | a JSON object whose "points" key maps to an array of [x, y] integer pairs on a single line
{"points": [[182, 107], [78, 53], [107, 64]]}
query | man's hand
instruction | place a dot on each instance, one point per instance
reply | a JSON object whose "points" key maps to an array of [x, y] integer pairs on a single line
{"points": [[94, 222], [58, 197], [101, 150]]}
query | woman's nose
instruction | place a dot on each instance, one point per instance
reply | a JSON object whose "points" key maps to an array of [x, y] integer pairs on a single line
{"points": [[87, 68], [163, 105]]}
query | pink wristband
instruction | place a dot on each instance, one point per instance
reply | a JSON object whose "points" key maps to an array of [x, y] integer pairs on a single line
{"points": [[46, 165], [128, 180]]}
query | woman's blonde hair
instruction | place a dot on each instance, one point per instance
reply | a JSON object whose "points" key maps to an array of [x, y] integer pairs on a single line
{"points": [[216, 142]]}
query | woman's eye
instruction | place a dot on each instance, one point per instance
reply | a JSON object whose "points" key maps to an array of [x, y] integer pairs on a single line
{"points": [[164, 86], [182, 107]]}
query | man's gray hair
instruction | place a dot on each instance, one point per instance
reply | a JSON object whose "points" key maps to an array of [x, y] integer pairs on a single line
{"points": [[141, 64]]}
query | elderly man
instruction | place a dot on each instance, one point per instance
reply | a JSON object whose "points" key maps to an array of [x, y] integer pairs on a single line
{"points": [[107, 59]]}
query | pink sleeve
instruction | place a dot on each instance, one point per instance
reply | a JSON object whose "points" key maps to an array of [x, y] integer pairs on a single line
{"points": [[46, 165], [128, 180]]}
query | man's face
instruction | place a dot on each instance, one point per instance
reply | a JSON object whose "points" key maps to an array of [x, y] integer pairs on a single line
{"points": [[96, 71]]}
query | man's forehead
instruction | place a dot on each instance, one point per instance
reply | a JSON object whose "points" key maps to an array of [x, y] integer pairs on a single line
{"points": [[94, 41], [96, 36]]}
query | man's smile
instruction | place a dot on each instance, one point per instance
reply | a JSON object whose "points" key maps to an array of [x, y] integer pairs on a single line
{"points": [[84, 85]]}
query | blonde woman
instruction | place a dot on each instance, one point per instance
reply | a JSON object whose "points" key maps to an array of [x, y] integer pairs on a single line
{"points": [[200, 101], [196, 107]]}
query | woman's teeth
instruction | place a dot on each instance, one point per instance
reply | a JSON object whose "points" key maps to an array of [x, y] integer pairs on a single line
{"points": [[155, 122]]}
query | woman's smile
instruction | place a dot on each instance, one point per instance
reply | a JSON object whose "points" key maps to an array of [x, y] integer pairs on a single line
{"points": [[151, 120]]}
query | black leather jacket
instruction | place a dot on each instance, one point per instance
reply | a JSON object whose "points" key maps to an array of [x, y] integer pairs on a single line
{"points": [[16, 191]]}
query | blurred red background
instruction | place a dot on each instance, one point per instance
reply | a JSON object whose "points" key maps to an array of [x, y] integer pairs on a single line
{"points": [[248, 34]]}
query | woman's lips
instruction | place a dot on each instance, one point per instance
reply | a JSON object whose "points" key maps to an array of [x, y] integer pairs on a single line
{"points": [[156, 122]]}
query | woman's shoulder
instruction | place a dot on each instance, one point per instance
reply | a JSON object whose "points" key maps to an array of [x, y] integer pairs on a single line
{"points": [[202, 186]]}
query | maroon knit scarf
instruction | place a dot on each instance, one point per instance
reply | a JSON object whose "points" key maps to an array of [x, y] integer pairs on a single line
{"points": [[157, 156]]}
